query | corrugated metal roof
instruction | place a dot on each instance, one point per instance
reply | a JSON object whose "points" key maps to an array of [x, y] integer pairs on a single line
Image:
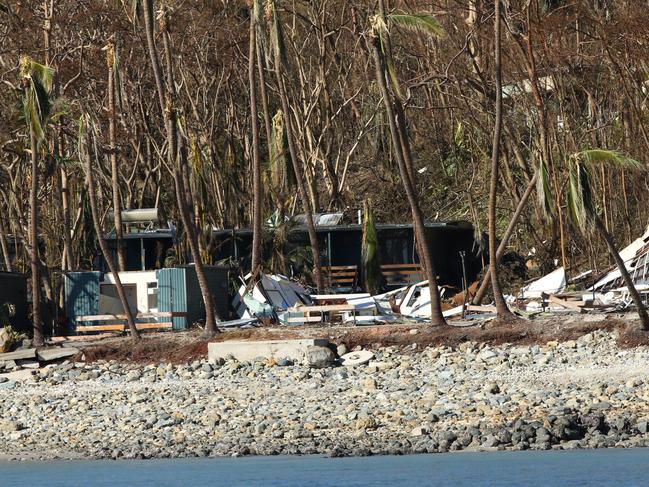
{"points": [[319, 219]]}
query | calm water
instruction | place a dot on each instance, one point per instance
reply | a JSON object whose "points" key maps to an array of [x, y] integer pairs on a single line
{"points": [[547, 469]]}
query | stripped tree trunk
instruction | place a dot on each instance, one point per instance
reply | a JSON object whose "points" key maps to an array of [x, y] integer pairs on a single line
{"points": [[480, 294], [114, 167], [256, 165], [178, 161], [417, 218], [5, 248], [501, 307], [135, 335], [628, 282], [39, 339], [299, 176]]}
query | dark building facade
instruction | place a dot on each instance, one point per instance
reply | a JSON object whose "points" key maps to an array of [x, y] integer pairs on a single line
{"points": [[143, 250], [13, 290], [340, 245]]}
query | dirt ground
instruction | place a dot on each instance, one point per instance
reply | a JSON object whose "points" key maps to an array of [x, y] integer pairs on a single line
{"points": [[192, 345]]}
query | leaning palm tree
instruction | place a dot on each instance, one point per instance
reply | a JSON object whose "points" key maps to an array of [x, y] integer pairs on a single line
{"points": [[384, 71], [85, 153], [584, 214], [257, 230], [36, 84], [114, 88], [281, 66], [177, 158]]}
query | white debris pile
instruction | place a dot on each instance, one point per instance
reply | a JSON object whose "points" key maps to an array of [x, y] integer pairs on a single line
{"points": [[271, 294]]}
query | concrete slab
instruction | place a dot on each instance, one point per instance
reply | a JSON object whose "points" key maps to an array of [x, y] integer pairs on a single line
{"points": [[47, 354], [18, 355], [29, 364], [278, 349], [18, 376]]}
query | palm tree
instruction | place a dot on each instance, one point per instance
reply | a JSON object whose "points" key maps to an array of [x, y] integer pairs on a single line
{"points": [[177, 158], [584, 214], [384, 70], [36, 84], [255, 13], [277, 40], [501, 307], [84, 153], [113, 89]]}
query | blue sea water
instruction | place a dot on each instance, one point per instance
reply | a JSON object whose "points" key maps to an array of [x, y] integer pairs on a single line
{"points": [[530, 469]]}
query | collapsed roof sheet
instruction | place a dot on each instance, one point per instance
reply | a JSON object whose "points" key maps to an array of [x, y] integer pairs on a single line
{"points": [[552, 283], [636, 260]]}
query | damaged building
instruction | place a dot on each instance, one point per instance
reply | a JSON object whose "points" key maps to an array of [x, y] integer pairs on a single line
{"points": [[340, 247]]}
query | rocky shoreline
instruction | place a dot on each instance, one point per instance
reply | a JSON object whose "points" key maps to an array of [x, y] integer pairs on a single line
{"points": [[584, 393]]}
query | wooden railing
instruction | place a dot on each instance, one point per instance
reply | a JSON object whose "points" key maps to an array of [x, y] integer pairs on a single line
{"points": [[341, 276], [107, 322], [402, 274]]}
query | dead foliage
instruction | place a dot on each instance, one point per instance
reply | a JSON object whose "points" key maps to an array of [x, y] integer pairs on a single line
{"points": [[168, 348], [185, 347], [632, 336], [517, 332]]}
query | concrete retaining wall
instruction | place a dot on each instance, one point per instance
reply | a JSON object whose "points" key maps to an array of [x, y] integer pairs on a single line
{"points": [[278, 349]]}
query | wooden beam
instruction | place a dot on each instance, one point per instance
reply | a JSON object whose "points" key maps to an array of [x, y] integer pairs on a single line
{"points": [[139, 316], [118, 327], [574, 305], [324, 308], [481, 308]]}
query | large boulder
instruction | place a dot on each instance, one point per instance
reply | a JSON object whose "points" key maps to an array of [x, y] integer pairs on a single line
{"points": [[6, 339], [319, 357]]}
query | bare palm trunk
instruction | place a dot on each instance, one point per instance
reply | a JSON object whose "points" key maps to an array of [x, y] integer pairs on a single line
{"points": [[67, 235], [501, 307], [637, 300], [135, 334], [39, 339], [178, 161], [263, 96], [299, 176], [148, 14], [418, 221], [5, 248], [480, 294], [256, 165], [114, 167]]}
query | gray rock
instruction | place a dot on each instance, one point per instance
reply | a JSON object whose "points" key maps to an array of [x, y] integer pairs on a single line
{"points": [[7, 426], [600, 406], [133, 376], [319, 357], [488, 355], [419, 431]]}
